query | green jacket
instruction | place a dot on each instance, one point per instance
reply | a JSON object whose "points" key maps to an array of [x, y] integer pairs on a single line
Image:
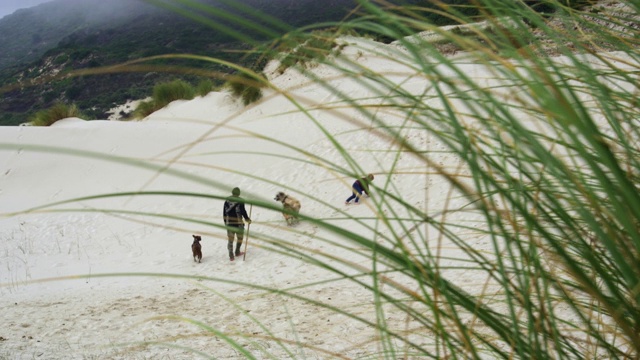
{"points": [[364, 184]]}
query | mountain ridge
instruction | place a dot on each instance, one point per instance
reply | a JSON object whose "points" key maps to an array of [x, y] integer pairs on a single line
{"points": [[63, 35]]}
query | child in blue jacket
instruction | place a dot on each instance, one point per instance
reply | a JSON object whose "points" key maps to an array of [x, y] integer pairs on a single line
{"points": [[360, 186]]}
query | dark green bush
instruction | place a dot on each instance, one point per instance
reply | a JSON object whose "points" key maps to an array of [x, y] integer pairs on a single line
{"points": [[246, 87], [61, 59], [73, 92]]}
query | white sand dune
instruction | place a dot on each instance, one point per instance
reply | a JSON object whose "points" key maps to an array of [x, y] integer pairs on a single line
{"points": [[215, 144]]}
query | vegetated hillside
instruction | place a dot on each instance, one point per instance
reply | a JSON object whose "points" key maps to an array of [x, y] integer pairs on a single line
{"points": [[146, 35], [94, 33], [97, 33], [28, 33]]}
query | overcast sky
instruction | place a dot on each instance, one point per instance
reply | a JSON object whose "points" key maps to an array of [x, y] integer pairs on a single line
{"points": [[9, 6]]}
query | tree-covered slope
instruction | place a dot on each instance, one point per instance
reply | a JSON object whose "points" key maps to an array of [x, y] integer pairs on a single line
{"points": [[40, 43], [38, 46]]}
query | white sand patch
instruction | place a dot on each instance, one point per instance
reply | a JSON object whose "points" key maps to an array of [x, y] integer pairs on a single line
{"points": [[124, 111]]}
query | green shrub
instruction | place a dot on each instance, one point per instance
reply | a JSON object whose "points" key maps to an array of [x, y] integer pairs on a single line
{"points": [[11, 119], [165, 93], [57, 112], [311, 51], [246, 87], [251, 95], [144, 109], [49, 96], [204, 87], [73, 92], [61, 59]]}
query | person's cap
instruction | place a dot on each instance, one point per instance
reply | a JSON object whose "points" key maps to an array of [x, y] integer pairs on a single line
{"points": [[235, 191]]}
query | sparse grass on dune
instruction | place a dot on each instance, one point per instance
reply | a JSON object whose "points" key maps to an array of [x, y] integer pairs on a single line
{"points": [[246, 86], [163, 95], [544, 168], [57, 112], [243, 86]]}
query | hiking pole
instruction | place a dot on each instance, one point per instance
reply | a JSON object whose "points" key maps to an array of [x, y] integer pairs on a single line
{"points": [[244, 256]]}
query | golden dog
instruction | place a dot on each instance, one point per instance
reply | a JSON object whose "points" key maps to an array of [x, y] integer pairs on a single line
{"points": [[291, 207]]}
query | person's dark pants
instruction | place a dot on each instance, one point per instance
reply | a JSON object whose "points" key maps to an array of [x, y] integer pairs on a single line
{"points": [[357, 192], [237, 233]]}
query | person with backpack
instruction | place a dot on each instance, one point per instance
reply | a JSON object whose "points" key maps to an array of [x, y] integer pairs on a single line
{"points": [[359, 186], [234, 215]]}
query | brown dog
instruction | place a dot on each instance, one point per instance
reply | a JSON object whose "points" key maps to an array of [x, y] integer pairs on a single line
{"points": [[291, 207], [196, 248]]}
